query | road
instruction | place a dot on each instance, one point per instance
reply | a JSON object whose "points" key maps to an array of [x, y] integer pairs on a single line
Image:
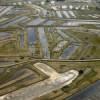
{"points": [[5, 10], [43, 87], [13, 21], [44, 42], [68, 52], [26, 74], [92, 92], [37, 21]]}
